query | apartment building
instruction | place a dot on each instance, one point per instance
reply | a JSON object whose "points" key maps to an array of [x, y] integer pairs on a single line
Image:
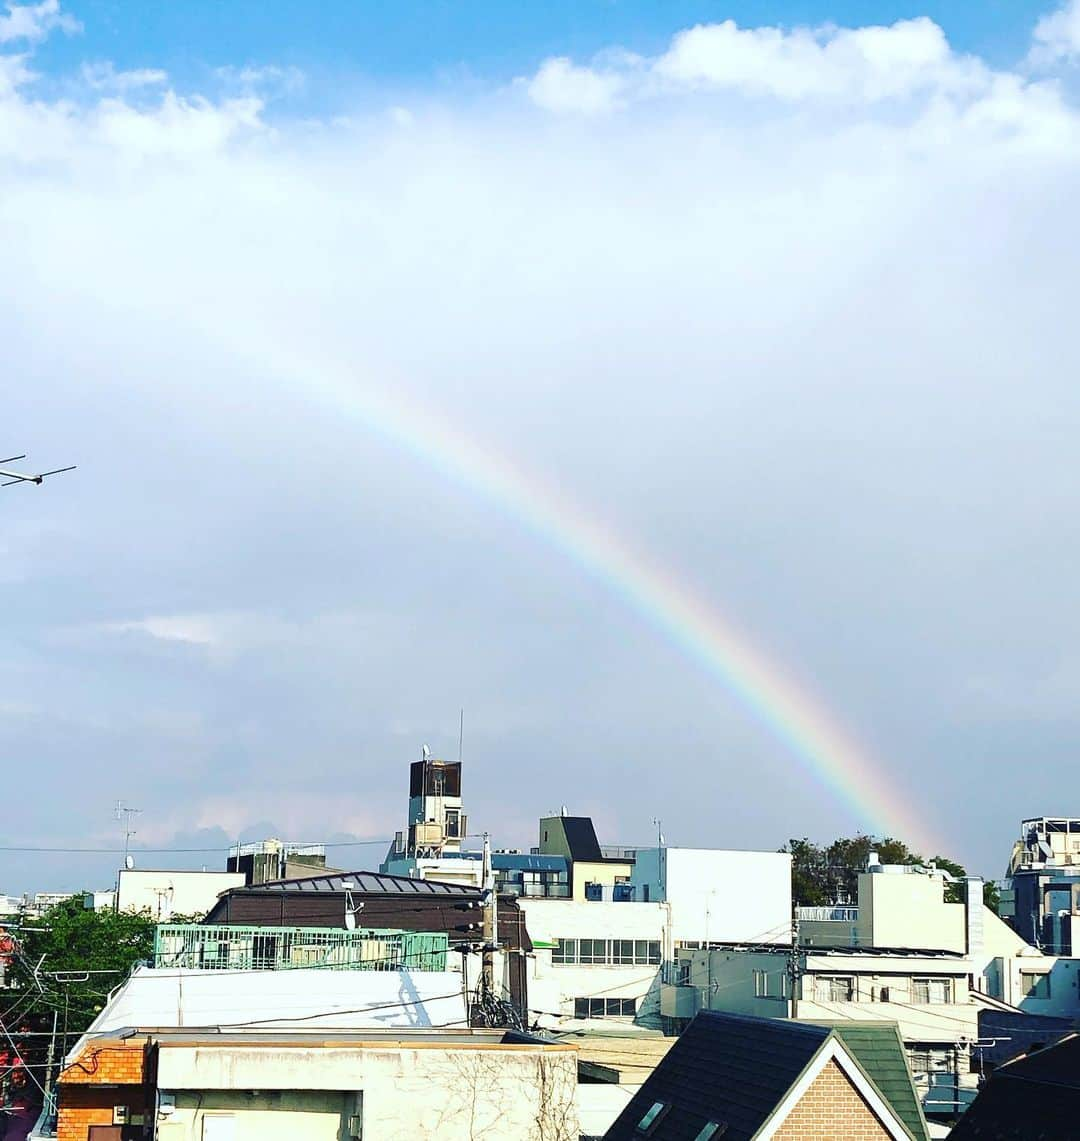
{"points": [[1041, 896]]}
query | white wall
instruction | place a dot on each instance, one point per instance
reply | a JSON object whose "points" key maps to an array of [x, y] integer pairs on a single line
{"points": [[517, 1093], [165, 894], [1064, 983], [554, 986], [719, 896]]}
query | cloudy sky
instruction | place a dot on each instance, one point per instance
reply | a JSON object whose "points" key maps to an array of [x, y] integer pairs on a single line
{"points": [[625, 374]]}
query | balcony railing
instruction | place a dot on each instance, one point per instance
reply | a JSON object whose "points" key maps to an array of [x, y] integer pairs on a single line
{"points": [[202, 948], [828, 914], [534, 890]]}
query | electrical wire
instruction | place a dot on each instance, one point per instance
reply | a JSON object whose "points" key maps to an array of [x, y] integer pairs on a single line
{"points": [[183, 851]]}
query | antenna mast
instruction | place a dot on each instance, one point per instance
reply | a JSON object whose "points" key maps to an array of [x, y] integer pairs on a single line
{"points": [[8, 477], [124, 814]]}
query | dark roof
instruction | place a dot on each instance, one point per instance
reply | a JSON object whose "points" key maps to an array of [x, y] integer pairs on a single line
{"points": [[726, 1067], [581, 838], [1007, 1033], [736, 1070], [879, 1049], [367, 882], [1036, 1096], [813, 952]]}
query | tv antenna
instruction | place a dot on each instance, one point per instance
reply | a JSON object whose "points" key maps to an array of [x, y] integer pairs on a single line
{"points": [[124, 814], [8, 477]]}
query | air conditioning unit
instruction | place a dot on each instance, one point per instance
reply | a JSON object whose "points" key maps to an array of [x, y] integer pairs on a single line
{"points": [[120, 1115]]}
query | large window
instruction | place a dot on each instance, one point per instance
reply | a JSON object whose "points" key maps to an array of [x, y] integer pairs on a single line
{"points": [[768, 985], [834, 988], [1034, 984], [607, 952], [932, 990], [605, 1007]]}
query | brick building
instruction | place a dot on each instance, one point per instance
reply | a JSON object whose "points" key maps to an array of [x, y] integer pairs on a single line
{"points": [[762, 1079], [104, 1091]]}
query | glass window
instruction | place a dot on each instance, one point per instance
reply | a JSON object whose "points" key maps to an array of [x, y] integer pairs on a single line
{"points": [[834, 988], [710, 1130], [932, 990], [652, 1117], [1034, 984]]}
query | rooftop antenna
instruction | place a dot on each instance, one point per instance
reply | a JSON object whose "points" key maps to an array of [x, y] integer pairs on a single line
{"points": [[124, 814], [8, 477], [461, 734]]}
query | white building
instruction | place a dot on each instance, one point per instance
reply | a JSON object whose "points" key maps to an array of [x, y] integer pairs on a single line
{"points": [[718, 896], [596, 960], [163, 894]]}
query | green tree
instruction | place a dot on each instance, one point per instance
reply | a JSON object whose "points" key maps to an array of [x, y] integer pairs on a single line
{"points": [[830, 875]]}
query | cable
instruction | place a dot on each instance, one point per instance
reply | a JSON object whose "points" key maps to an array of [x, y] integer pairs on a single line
{"points": [[180, 851]]}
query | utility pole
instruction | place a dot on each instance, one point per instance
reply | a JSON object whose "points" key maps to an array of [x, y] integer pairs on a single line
{"points": [[794, 963], [49, 1062], [489, 929]]}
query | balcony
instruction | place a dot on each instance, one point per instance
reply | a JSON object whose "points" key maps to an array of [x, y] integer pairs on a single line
{"points": [[197, 947]]}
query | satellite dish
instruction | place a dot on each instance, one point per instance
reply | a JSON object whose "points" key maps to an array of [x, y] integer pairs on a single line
{"points": [[129, 862], [425, 752], [350, 921]]}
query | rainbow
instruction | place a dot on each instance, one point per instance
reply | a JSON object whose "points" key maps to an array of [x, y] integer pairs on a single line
{"points": [[694, 626]]}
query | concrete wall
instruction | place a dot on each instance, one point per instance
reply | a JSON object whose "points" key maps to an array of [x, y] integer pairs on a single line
{"points": [[165, 894], [445, 1091], [1063, 983], [257, 1115], [585, 871], [905, 909], [554, 986], [719, 896]]}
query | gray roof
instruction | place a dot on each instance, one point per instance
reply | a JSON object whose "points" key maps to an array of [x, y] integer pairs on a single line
{"points": [[371, 883]]}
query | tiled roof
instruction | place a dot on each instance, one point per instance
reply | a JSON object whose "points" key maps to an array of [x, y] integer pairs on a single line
{"points": [[581, 838], [879, 1049], [727, 1068]]}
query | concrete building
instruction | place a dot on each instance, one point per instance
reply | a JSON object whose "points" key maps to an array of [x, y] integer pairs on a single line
{"points": [[275, 859], [1042, 892], [590, 873], [904, 954], [163, 894], [326, 1086], [595, 960], [717, 896]]}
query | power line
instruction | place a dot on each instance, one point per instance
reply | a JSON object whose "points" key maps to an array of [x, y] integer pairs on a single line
{"points": [[180, 851]]}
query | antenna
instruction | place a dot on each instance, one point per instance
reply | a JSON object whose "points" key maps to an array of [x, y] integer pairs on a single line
{"points": [[19, 477], [124, 815], [461, 734]]}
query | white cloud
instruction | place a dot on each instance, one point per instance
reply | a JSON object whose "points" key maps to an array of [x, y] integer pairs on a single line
{"points": [[850, 65], [188, 629], [1057, 36], [267, 79], [561, 86], [103, 76], [32, 23]]}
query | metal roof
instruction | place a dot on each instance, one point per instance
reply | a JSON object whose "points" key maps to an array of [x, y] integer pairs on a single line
{"points": [[368, 883]]}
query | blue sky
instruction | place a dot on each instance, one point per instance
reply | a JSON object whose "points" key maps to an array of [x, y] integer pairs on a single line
{"points": [[415, 42], [790, 315]]}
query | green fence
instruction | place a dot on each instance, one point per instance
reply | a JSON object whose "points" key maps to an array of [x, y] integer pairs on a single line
{"points": [[293, 948]]}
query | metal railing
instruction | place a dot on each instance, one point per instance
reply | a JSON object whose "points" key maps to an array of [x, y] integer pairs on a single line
{"points": [[198, 947], [534, 890], [828, 914]]}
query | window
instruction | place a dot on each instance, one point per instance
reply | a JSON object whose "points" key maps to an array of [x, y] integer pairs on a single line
{"points": [[932, 990], [834, 988], [761, 984], [607, 952], [685, 966], [1034, 984], [605, 1007], [711, 1129], [652, 1117]]}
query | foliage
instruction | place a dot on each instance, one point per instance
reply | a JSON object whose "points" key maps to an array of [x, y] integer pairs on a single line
{"points": [[823, 876]]}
